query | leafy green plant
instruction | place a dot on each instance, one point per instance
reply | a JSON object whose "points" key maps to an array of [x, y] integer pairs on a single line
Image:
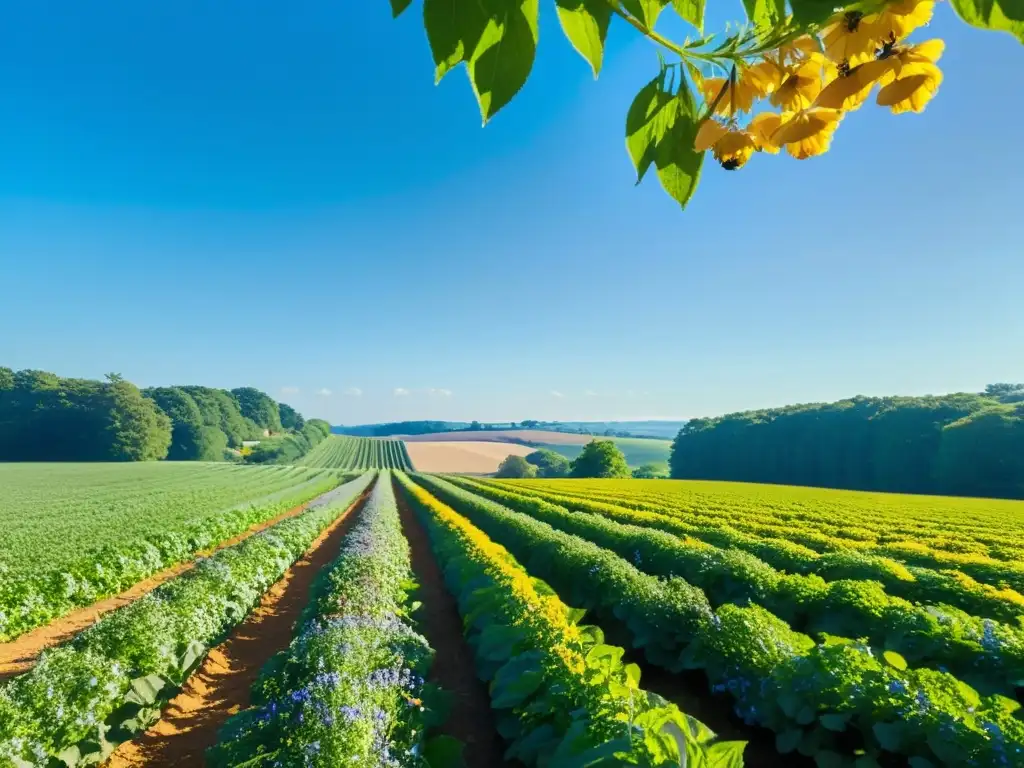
{"points": [[349, 690], [819, 698], [563, 697], [83, 698]]}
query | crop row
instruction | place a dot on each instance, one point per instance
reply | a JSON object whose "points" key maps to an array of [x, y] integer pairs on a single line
{"points": [[833, 700], [344, 452], [29, 600], [111, 680], [949, 540], [51, 513], [562, 696], [915, 583], [349, 690], [879, 516], [987, 654]]}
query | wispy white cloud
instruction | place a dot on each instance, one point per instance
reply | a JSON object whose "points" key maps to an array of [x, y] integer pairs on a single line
{"points": [[589, 393], [353, 392], [556, 393], [400, 392], [289, 390], [324, 392], [440, 392]]}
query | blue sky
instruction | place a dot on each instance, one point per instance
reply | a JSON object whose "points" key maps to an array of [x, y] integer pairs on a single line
{"points": [[276, 194]]}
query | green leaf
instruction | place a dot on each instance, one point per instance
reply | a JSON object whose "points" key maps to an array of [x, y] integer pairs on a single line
{"points": [[834, 722], [145, 690], [726, 754], [397, 6], [765, 14], [691, 11], [517, 680], [633, 675], [787, 741], [1002, 15], [443, 752], [585, 23], [660, 129], [454, 28], [645, 11], [503, 57], [895, 660], [811, 11]]}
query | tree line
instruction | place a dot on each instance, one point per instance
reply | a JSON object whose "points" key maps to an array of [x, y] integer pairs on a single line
{"points": [[961, 444], [45, 417]]}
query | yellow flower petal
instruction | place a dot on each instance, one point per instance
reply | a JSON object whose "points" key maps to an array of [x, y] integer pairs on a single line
{"points": [[912, 91], [808, 133], [708, 134], [901, 18], [761, 128], [734, 149], [848, 38], [802, 86], [848, 92]]}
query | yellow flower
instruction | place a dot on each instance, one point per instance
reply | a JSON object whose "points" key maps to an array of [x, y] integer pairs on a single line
{"points": [[809, 132], [762, 78], [799, 49], [761, 128], [848, 38], [912, 89], [850, 88], [730, 146], [901, 18], [803, 84], [736, 97]]}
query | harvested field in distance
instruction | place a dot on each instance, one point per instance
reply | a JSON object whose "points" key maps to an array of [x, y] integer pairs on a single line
{"points": [[498, 436], [477, 457]]}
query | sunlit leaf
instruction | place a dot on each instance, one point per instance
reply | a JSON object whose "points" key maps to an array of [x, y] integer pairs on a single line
{"points": [[397, 6], [585, 23], [1003, 15], [765, 13], [454, 28], [503, 57], [691, 11], [660, 129]]}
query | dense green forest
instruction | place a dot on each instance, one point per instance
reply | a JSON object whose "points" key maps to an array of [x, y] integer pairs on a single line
{"points": [[960, 444], [44, 417]]}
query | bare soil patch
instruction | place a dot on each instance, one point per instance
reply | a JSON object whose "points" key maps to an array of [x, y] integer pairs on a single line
{"points": [[221, 686], [20, 655], [536, 436], [471, 719], [472, 457]]}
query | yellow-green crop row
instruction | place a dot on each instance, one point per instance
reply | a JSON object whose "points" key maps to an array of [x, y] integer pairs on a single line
{"points": [[563, 697], [839, 700], [978, 584]]}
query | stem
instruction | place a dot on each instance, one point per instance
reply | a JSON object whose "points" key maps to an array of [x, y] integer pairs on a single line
{"points": [[650, 33]]}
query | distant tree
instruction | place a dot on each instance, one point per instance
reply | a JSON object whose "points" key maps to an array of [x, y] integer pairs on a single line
{"points": [[187, 438], [290, 418], [650, 471], [474, 425], [137, 430], [259, 407], [530, 423], [515, 466], [983, 454], [1007, 393], [549, 463], [221, 410], [512, 425], [600, 458], [6, 378]]}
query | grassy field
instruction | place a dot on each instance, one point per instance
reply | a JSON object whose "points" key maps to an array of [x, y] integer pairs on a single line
{"points": [[637, 450], [51, 514]]}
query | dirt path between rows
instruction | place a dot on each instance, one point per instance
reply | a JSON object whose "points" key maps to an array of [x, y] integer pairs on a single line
{"points": [[471, 719], [221, 686], [21, 654]]}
